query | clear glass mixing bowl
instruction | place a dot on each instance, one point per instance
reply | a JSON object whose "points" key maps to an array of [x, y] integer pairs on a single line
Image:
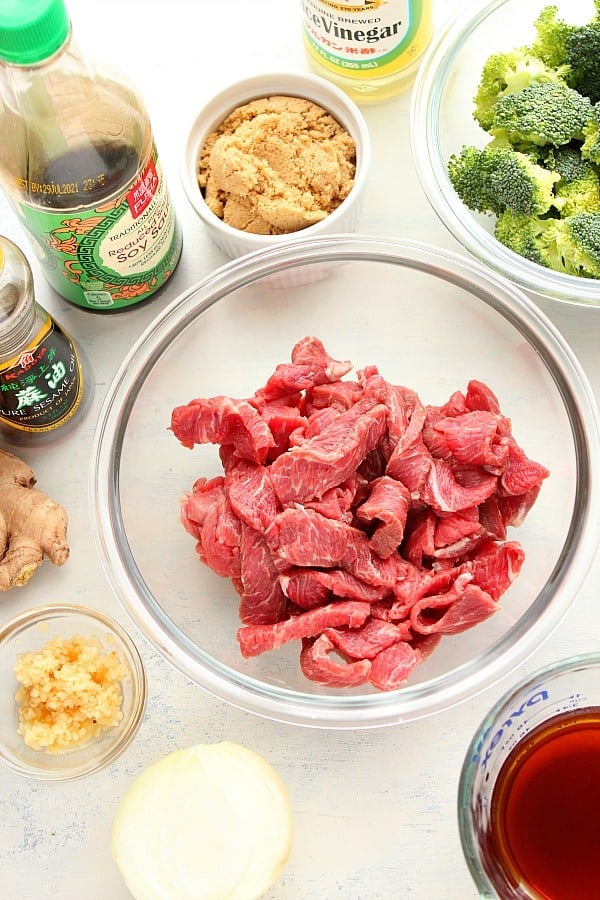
{"points": [[441, 122], [429, 320]]}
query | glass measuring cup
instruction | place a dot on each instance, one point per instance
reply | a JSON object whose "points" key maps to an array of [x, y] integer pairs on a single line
{"points": [[527, 797]]}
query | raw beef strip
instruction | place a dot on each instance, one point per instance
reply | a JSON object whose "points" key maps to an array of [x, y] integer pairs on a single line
{"points": [[387, 508], [225, 549], [337, 395], [313, 587], [413, 582], [248, 486], [391, 667], [513, 509], [444, 493], [196, 503], [472, 438], [328, 459], [368, 640], [459, 608], [412, 418], [411, 467], [455, 405], [521, 474], [416, 583], [310, 351], [256, 639], [480, 396], [492, 519], [222, 420], [317, 664], [261, 599], [432, 438], [283, 421], [310, 365], [337, 502], [304, 588], [453, 527], [461, 548], [437, 581], [316, 422], [425, 644], [496, 566], [217, 528], [419, 545], [303, 537]]}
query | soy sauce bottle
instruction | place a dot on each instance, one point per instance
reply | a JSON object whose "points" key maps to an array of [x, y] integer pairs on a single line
{"points": [[42, 378], [79, 166]]}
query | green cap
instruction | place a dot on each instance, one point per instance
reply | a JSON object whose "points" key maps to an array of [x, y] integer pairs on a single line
{"points": [[31, 30]]}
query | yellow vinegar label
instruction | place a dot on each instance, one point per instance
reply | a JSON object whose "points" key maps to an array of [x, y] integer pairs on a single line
{"points": [[366, 39]]}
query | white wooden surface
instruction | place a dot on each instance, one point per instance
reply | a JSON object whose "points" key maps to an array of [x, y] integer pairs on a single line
{"points": [[374, 811]]}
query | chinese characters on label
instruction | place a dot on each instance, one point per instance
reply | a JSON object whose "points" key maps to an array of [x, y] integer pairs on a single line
{"points": [[43, 388]]}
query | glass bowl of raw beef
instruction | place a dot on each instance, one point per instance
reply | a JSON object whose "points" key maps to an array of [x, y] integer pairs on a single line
{"points": [[346, 483]]}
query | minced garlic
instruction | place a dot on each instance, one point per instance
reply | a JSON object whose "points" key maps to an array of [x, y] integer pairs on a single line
{"points": [[70, 693]]}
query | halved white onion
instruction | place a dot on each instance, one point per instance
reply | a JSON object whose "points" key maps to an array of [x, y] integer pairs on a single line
{"points": [[209, 822]]}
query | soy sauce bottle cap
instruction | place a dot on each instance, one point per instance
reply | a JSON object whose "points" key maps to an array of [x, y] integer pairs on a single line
{"points": [[31, 30]]}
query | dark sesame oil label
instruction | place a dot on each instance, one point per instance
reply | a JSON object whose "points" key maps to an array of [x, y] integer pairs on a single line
{"points": [[42, 387]]}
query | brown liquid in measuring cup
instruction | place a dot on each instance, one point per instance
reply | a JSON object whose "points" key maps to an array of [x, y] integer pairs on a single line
{"points": [[87, 175], [546, 809]]}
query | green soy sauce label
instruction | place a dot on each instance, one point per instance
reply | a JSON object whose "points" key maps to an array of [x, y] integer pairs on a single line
{"points": [[102, 255]]}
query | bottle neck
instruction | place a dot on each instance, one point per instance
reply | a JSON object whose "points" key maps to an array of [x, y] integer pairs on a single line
{"points": [[27, 88], [18, 309]]}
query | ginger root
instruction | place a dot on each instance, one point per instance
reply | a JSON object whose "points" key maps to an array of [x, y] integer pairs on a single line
{"points": [[31, 524]]}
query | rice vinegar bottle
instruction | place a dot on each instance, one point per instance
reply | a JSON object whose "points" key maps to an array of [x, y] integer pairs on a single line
{"points": [[369, 48], [79, 166]]}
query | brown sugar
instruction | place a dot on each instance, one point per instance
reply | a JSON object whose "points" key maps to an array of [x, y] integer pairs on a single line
{"points": [[276, 165]]}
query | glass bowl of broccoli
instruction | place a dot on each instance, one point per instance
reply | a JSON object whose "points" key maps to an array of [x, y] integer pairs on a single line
{"points": [[505, 131]]}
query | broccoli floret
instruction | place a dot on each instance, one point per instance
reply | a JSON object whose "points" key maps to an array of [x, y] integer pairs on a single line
{"points": [[579, 187], [551, 38], [468, 173], [566, 161], [521, 234], [573, 245], [574, 48], [570, 246], [543, 114], [497, 178], [509, 73], [583, 55], [590, 149]]}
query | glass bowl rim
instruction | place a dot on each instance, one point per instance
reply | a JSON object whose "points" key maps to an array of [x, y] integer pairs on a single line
{"points": [[430, 82], [124, 732], [358, 711]]}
